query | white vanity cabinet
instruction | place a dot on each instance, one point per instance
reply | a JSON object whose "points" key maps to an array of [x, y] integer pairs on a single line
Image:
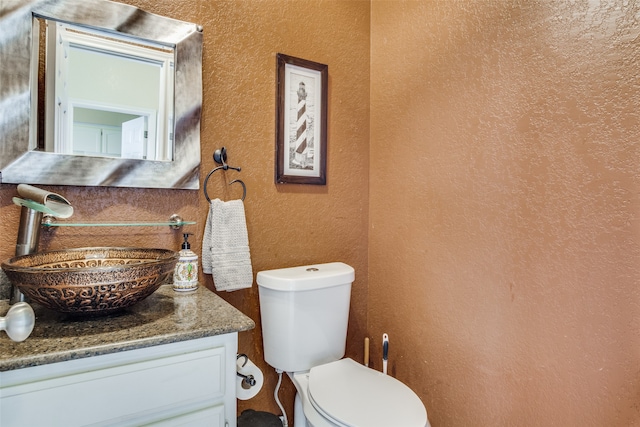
{"points": [[187, 383]]}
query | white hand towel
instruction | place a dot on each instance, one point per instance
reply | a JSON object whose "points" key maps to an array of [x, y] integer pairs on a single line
{"points": [[225, 246]]}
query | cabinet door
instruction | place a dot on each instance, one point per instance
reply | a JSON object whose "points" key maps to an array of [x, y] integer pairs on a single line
{"points": [[87, 139], [112, 141]]}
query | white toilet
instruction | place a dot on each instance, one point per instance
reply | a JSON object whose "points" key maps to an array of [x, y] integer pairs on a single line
{"points": [[304, 312]]}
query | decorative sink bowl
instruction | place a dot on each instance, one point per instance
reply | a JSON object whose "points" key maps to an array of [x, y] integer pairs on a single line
{"points": [[91, 280]]}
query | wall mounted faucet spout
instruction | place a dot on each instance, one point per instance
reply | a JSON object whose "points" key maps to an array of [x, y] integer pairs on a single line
{"points": [[35, 203]]}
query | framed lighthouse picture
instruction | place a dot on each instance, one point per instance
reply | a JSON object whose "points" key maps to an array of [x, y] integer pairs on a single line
{"points": [[301, 121]]}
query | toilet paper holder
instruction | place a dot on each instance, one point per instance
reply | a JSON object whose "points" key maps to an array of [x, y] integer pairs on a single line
{"points": [[248, 380]]}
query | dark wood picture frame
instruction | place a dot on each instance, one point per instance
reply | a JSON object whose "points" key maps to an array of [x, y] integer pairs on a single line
{"points": [[301, 121]]}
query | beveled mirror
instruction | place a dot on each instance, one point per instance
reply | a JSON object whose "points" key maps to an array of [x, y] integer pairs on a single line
{"points": [[98, 93]]}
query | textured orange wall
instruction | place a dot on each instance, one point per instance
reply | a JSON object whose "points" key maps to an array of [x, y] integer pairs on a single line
{"points": [[503, 224], [504, 229], [288, 224]]}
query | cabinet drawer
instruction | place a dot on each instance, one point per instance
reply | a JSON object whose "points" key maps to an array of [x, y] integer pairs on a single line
{"points": [[209, 417], [154, 387]]}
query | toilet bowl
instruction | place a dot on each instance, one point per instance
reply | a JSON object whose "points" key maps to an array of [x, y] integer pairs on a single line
{"points": [[346, 393], [304, 312]]}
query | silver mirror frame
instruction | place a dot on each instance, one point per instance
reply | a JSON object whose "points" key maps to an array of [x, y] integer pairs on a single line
{"points": [[20, 165]]}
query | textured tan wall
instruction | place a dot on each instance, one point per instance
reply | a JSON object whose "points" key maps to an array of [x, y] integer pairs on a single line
{"points": [[288, 225], [504, 223]]}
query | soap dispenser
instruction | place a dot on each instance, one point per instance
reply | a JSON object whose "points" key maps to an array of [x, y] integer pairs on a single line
{"points": [[185, 275]]}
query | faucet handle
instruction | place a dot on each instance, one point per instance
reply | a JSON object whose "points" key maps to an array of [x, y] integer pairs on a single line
{"points": [[19, 321]]}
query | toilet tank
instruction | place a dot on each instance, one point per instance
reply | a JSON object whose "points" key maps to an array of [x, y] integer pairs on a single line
{"points": [[304, 312]]}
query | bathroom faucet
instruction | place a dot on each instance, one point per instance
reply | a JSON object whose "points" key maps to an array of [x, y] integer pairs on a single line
{"points": [[35, 203]]}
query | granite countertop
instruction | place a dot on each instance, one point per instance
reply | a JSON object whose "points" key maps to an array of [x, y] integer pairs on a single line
{"points": [[164, 317]]}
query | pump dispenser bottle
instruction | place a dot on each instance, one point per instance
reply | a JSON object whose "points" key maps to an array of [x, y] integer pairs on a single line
{"points": [[185, 275]]}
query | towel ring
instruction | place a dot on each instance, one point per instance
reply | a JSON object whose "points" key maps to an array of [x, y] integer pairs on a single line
{"points": [[244, 187], [220, 157], [206, 180]]}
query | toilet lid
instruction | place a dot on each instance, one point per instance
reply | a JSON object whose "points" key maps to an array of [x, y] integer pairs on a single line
{"points": [[353, 395]]}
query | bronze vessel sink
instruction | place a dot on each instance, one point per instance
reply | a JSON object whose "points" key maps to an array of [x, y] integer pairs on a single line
{"points": [[92, 281]]}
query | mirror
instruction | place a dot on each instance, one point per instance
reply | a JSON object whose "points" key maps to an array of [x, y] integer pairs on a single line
{"points": [[107, 95]]}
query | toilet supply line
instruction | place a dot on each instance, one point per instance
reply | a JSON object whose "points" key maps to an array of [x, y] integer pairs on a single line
{"points": [[283, 418], [385, 352]]}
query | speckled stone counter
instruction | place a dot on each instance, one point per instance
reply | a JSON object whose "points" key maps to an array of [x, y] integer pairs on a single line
{"points": [[164, 317]]}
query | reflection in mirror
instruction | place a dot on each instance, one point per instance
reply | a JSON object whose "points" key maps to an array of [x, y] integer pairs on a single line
{"points": [[96, 92], [111, 97]]}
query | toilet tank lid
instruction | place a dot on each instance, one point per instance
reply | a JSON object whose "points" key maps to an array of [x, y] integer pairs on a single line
{"points": [[306, 277]]}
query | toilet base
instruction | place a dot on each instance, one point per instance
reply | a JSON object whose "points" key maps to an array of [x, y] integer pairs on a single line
{"points": [[299, 419]]}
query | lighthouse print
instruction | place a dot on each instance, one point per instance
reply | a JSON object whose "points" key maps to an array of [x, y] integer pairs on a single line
{"points": [[301, 148], [303, 92], [301, 134]]}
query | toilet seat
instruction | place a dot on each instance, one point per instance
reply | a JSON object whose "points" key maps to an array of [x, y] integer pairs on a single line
{"points": [[350, 394]]}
